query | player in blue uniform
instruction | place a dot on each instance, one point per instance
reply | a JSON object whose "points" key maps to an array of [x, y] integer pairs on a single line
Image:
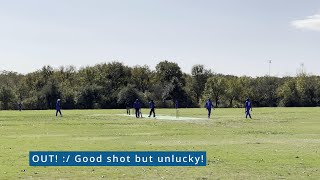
{"points": [[152, 106], [137, 106], [208, 106], [20, 106], [58, 107], [248, 108], [176, 104]]}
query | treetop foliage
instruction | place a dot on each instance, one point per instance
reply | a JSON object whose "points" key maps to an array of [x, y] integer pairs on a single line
{"points": [[115, 85]]}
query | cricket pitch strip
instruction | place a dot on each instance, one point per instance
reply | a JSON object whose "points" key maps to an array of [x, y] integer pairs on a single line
{"points": [[167, 117]]}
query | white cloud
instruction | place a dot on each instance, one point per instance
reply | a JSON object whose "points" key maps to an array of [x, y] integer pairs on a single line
{"points": [[309, 23]]}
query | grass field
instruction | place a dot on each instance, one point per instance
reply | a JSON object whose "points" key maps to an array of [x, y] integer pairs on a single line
{"points": [[278, 143]]}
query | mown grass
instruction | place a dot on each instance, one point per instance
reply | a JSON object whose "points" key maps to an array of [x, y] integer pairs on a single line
{"points": [[278, 143]]}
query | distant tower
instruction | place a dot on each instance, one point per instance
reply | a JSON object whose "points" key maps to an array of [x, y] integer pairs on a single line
{"points": [[302, 68], [270, 61]]}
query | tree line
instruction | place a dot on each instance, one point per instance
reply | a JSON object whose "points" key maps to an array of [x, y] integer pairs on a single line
{"points": [[113, 85]]}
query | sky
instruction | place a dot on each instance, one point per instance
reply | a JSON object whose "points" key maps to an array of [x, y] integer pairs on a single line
{"points": [[230, 36]]}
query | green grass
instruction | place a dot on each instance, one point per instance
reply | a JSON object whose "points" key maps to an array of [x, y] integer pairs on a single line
{"points": [[278, 143]]}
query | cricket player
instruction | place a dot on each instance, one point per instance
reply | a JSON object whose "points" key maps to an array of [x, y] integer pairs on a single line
{"points": [[177, 104], [177, 108], [137, 106], [128, 108], [208, 106], [152, 106], [20, 106], [248, 107], [58, 107]]}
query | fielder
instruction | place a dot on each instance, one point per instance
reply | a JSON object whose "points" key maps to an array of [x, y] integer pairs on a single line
{"points": [[58, 107], [128, 108], [208, 106], [152, 106], [248, 108], [177, 108], [20, 106], [137, 106]]}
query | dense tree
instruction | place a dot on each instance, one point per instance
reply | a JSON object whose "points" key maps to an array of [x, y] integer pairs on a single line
{"points": [[140, 76], [215, 88], [166, 71], [50, 93], [114, 72], [191, 100], [127, 96], [7, 97], [200, 76], [289, 94], [264, 91], [307, 88], [89, 97], [173, 90], [110, 85], [233, 91]]}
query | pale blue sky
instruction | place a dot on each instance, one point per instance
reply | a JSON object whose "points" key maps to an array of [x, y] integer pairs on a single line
{"points": [[228, 36]]}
